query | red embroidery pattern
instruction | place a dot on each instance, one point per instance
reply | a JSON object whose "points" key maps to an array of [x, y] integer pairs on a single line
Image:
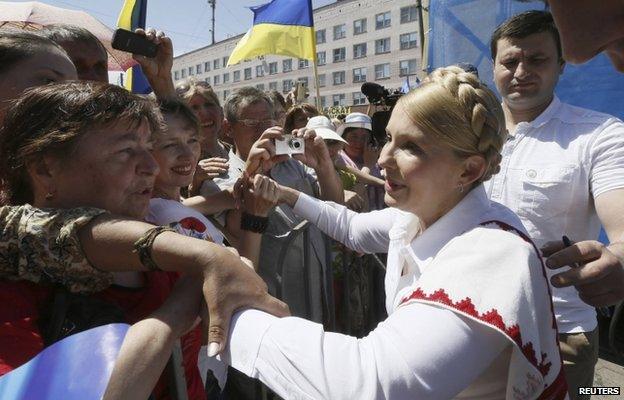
{"points": [[491, 317], [558, 389], [509, 228]]}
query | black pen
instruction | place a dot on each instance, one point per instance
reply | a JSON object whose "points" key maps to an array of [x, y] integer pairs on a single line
{"points": [[567, 243]]}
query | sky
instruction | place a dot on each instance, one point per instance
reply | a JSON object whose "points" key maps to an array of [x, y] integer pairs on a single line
{"points": [[187, 22]]}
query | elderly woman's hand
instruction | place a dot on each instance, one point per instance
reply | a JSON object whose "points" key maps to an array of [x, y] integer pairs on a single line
{"points": [[260, 196], [157, 70], [209, 169], [229, 285]]}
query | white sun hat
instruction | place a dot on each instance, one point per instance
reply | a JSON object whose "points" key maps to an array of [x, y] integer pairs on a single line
{"points": [[356, 120], [324, 128]]}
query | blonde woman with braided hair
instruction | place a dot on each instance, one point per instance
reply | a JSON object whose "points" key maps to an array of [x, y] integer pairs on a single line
{"points": [[469, 310]]}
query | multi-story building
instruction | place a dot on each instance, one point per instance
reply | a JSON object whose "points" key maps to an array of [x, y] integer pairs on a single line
{"points": [[357, 41]]}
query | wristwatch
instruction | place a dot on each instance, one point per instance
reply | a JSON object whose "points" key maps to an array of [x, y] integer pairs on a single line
{"points": [[254, 223]]}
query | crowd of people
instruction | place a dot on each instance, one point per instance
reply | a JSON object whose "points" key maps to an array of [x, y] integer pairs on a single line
{"points": [[176, 214]]}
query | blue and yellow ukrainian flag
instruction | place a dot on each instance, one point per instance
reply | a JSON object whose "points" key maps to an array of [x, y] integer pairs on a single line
{"points": [[281, 27], [132, 16]]}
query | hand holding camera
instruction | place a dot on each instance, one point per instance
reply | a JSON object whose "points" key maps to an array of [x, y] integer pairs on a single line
{"points": [[315, 153], [289, 144], [262, 155]]}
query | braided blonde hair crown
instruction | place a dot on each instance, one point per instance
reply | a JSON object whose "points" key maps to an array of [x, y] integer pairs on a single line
{"points": [[457, 109]]}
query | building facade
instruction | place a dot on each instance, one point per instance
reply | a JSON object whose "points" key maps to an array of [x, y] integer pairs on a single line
{"points": [[357, 41]]}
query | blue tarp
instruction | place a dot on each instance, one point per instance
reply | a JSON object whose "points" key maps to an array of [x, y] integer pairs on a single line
{"points": [[460, 32]]}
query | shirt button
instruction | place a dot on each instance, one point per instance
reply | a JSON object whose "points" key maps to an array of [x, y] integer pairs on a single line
{"points": [[531, 173]]}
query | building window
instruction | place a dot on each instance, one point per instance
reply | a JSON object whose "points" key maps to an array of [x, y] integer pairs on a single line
{"points": [[359, 74], [323, 102], [226, 77], [225, 61], [259, 71], [358, 99], [382, 46], [304, 79], [272, 85], [247, 74], [287, 84], [236, 76], [321, 80], [215, 64], [320, 58], [198, 69], [287, 65], [340, 31], [303, 64], [183, 72], [359, 50], [226, 93], [338, 78], [382, 71], [207, 80], [382, 20], [320, 36], [216, 80], [359, 26], [339, 100], [408, 14], [176, 75], [273, 68], [407, 67], [207, 66], [339, 54], [260, 86], [190, 71], [408, 40]]}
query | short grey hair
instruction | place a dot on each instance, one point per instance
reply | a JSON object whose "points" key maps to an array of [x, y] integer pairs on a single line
{"points": [[242, 98]]}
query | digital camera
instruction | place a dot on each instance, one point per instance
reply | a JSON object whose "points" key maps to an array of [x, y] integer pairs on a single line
{"points": [[289, 145]]}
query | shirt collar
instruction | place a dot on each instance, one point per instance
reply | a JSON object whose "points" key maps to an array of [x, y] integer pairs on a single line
{"points": [[236, 161], [464, 216], [546, 115]]}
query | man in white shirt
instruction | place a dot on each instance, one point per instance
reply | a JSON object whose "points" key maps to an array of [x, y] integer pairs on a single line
{"points": [[562, 172], [248, 118]]}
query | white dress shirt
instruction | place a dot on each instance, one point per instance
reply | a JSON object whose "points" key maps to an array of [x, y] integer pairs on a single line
{"points": [[551, 171], [424, 349]]}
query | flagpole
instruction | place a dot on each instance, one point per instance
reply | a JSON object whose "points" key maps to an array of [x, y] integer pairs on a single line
{"points": [[316, 83]]}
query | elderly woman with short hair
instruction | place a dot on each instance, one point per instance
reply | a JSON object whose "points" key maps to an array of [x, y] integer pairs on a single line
{"points": [[76, 145]]}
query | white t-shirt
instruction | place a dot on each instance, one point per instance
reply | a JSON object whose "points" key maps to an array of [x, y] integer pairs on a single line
{"points": [[183, 219], [189, 222], [552, 170]]}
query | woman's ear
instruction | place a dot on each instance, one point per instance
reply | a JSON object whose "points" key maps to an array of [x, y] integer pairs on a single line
{"points": [[42, 172], [474, 168]]}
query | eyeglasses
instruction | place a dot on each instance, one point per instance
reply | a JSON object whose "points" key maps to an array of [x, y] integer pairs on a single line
{"points": [[186, 86], [256, 123]]}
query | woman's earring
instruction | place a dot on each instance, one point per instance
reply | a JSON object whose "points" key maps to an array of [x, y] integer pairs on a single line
{"points": [[49, 196], [461, 188]]}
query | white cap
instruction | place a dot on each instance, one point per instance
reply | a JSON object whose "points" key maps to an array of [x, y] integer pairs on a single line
{"points": [[356, 120], [324, 128]]}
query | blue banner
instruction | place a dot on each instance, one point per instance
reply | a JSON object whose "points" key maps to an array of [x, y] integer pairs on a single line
{"points": [[75, 368]]}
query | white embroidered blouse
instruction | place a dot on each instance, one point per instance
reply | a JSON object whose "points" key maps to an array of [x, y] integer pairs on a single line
{"points": [[470, 314]]}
